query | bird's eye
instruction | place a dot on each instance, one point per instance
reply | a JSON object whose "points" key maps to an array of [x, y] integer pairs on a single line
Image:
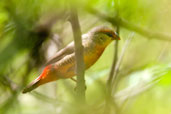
{"points": [[110, 34]]}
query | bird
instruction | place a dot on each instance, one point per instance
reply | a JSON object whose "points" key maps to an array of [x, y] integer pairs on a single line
{"points": [[62, 64]]}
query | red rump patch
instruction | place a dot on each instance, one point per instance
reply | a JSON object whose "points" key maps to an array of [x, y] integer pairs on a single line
{"points": [[45, 72]]}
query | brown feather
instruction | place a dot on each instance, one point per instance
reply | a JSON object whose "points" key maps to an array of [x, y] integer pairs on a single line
{"points": [[61, 54]]}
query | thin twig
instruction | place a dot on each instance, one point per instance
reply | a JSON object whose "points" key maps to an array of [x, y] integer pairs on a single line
{"points": [[116, 65], [109, 82], [109, 98], [116, 70]]}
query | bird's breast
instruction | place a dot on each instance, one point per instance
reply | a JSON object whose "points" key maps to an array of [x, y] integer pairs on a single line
{"points": [[91, 55], [66, 67]]}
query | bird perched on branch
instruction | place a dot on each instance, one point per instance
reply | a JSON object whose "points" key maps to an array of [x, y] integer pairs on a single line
{"points": [[62, 65]]}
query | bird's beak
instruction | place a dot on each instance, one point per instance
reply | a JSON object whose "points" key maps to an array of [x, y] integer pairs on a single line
{"points": [[117, 36]]}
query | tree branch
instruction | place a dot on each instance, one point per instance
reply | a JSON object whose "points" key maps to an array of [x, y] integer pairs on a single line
{"points": [[80, 89]]}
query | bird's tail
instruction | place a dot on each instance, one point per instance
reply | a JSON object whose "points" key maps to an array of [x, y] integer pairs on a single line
{"points": [[45, 77], [32, 86]]}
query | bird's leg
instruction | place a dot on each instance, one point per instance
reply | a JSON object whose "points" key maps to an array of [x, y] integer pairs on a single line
{"points": [[76, 82], [73, 79]]}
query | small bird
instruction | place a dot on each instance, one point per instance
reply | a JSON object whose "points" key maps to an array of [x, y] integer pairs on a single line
{"points": [[62, 65]]}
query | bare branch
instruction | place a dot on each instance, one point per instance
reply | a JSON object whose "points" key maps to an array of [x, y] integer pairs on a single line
{"points": [[116, 70], [112, 81], [78, 55], [109, 82]]}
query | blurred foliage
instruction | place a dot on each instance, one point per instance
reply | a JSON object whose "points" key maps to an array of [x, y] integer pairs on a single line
{"points": [[31, 31]]}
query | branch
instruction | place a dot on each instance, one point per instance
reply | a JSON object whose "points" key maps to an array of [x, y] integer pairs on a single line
{"points": [[116, 70], [80, 89], [112, 81], [130, 26], [109, 100], [109, 81]]}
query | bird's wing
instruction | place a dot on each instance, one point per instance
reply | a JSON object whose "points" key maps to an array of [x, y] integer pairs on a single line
{"points": [[69, 49]]}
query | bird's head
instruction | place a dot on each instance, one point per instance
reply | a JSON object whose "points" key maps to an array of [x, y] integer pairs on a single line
{"points": [[103, 35]]}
